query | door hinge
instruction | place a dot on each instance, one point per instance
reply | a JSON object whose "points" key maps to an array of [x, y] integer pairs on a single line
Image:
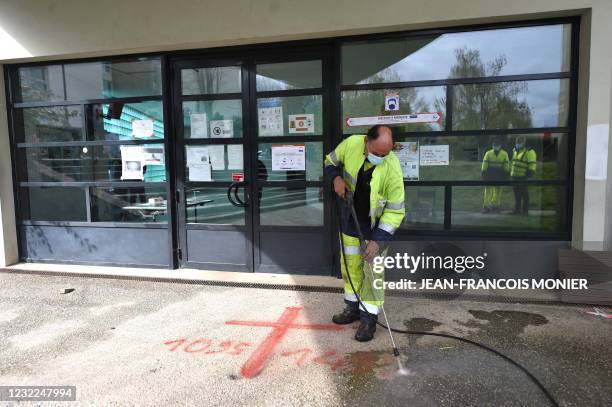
{"points": [[178, 196], [179, 252]]}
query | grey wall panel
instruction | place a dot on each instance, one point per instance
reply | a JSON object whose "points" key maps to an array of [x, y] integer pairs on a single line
{"points": [[216, 246], [133, 246], [295, 249]]}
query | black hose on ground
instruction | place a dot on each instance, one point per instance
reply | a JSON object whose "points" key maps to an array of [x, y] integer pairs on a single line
{"points": [[534, 379]]}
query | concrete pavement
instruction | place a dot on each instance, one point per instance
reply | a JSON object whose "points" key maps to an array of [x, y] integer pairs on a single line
{"points": [[158, 343]]}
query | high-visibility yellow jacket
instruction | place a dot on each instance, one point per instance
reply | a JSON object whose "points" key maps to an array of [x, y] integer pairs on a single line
{"points": [[495, 165], [523, 160], [387, 206]]}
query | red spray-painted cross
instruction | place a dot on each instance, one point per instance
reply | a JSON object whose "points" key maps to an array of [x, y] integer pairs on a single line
{"points": [[258, 358]]}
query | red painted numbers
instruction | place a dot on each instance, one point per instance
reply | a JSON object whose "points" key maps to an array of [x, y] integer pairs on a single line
{"points": [[207, 346]]}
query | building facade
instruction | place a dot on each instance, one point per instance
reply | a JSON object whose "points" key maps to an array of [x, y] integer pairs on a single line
{"points": [[194, 135]]}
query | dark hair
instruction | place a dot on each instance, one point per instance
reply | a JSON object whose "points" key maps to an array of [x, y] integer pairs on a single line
{"points": [[374, 132]]}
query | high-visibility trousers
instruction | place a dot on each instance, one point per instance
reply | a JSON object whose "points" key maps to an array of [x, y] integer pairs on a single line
{"points": [[492, 197], [362, 276]]}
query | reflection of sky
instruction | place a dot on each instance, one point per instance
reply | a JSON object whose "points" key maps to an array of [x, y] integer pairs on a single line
{"points": [[527, 50]]}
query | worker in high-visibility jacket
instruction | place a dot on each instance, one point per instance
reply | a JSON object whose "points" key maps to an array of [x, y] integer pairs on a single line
{"points": [[522, 167], [366, 166], [495, 167]]}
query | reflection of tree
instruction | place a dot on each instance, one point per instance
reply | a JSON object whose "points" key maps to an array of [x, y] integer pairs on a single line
{"points": [[486, 106]]}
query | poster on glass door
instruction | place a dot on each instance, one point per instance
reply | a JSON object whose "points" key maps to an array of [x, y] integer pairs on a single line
{"points": [[270, 117]]}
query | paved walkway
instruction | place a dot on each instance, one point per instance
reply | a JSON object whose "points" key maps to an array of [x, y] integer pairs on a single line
{"points": [[150, 343]]}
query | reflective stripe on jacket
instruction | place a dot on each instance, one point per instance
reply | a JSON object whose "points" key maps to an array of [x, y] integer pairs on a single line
{"points": [[522, 161], [387, 204]]}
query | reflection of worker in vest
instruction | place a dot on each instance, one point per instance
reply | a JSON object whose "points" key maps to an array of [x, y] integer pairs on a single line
{"points": [[495, 167], [523, 166]]}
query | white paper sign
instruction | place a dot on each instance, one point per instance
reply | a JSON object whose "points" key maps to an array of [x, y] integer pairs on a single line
{"points": [[142, 128], [301, 123], [409, 159], [198, 162], [392, 101], [394, 119], [270, 114], [153, 155], [199, 125], [289, 157], [217, 157], [132, 163], [222, 128], [234, 156], [434, 154]]}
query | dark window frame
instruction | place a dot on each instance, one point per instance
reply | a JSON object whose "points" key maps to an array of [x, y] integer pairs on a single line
{"points": [[448, 131], [11, 79]]}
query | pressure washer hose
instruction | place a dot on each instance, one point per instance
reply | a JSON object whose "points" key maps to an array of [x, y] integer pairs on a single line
{"points": [[534, 379]]}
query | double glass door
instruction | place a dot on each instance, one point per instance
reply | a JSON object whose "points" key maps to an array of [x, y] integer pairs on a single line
{"points": [[251, 133]]}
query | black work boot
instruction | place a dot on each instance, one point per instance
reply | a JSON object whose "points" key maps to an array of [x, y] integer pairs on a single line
{"points": [[367, 327], [348, 315]]}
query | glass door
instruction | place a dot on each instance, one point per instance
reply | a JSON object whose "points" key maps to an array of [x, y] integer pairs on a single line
{"points": [[289, 109], [214, 214], [251, 134]]}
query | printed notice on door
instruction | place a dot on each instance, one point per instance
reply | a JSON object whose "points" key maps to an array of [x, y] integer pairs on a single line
{"points": [[434, 154], [408, 157], [289, 157], [270, 113]]}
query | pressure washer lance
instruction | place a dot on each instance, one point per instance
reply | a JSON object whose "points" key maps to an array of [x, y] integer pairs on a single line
{"points": [[396, 353], [403, 371]]}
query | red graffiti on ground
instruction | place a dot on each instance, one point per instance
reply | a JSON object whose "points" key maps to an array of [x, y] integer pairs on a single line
{"points": [[203, 345], [358, 363], [258, 358]]}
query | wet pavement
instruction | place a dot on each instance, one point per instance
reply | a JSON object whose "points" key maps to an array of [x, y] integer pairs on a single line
{"points": [[126, 342]]}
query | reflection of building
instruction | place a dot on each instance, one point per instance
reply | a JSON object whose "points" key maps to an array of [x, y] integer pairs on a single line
{"points": [[517, 77]]}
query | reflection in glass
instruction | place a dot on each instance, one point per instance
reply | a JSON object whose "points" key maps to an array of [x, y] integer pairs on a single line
{"points": [[133, 204], [274, 115], [212, 206], [92, 163], [212, 119], [313, 163], [505, 51], [291, 206], [53, 204], [97, 80], [289, 75], [467, 153], [40, 83], [424, 207], [511, 105], [213, 162], [200, 81], [428, 99], [48, 124], [114, 121], [546, 209]]}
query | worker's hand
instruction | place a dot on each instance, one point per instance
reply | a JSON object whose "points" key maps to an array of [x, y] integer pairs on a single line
{"points": [[371, 251], [340, 187]]}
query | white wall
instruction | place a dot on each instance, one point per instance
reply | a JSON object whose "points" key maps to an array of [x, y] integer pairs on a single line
{"points": [[47, 29], [8, 238]]}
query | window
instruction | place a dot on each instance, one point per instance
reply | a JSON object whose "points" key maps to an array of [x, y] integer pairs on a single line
{"points": [[453, 97], [84, 152]]}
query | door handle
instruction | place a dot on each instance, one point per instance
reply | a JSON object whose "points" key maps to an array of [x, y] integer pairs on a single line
{"points": [[233, 189]]}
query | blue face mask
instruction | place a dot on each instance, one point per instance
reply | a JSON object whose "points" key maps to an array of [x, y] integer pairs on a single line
{"points": [[519, 146], [374, 159]]}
